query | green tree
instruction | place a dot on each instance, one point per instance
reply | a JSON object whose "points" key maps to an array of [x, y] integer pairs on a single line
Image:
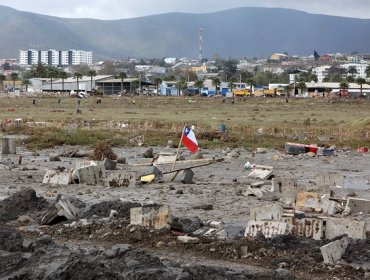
{"points": [[63, 75], [77, 76], [301, 86], [352, 70], [2, 79], [216, 82], [14, 77], [343, 86], [232, 83], [252, 83], [92, 73], [360, 81], [350, 79], [181, 85], [51, 73], [39, 70], [367, 71], [26, 83], [157, 82], [122, 76], [199, 84]]}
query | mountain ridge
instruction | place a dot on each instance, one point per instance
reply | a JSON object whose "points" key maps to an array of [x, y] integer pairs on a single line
{"points": [[238, 32]]}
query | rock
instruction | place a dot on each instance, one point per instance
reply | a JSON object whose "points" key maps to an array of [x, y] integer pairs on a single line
{"points": [[54, 158], [204, 207], [233, 154], [180, 192], [188, 239], [24, 219], [282, 273], [261, 150], [186, 225], [148, 153], [121, 160]]}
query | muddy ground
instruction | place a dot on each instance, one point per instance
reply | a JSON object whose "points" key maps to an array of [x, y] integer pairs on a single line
{"points": [[96, 246]]}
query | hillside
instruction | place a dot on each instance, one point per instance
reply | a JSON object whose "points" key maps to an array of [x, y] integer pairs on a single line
{"points": [[237, 33]]}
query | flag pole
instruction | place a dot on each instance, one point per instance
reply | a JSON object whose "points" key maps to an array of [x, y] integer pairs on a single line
{"points": [[178, 148]]}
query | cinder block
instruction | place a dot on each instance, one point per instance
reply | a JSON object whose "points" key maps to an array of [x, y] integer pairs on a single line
{"points": [[339, 226], [334, 251], [187, 176], [155, 216], [268, 228], [90, 175], [358, 205], [8, 145], [109, 164], [267, 212]]}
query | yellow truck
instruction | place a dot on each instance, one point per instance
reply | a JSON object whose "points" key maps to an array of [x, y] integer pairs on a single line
{"points": [[242, 92], [273, 92]]}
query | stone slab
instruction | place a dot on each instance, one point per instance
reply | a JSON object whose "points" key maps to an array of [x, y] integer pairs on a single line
{"points": [[339, 226], [57, 178], [155, 216], [268, 228], [90, 175], [334, 251], [330, 179], [120, 179], [357, 205], [267, 212]]}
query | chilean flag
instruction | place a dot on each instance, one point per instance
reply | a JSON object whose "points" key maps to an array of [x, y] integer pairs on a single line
{"points": [[189, 140]]}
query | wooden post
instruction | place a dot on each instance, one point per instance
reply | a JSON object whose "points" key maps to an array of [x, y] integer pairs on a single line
{"points": [[178, 148]]}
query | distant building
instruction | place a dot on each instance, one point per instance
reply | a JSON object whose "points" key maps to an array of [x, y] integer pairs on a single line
{"points": [[278, 57], [55, 58], [360, 69], [321, 72]]}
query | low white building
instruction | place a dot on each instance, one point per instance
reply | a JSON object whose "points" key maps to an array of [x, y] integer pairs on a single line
{"points": [[360, 69], [321, 72]]}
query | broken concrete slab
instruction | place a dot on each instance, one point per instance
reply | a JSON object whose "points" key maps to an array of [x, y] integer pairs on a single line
{"points": [[309, 227], [62, 210], [357, 205], [89, 175], [334, 251], [229, 232], [184, 224], [120, 179], [261, 192], [261, 172], [339, 226], [155, 216], [55, 177], [306, 198], [268, 228], [164, 159], [83, 163], [267, 212]]}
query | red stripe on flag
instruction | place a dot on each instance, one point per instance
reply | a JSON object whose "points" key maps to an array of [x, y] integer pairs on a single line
{"points": [[193, 147]]}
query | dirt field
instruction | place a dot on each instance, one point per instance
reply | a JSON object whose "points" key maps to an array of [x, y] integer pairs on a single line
{"points": [[98, 247]]}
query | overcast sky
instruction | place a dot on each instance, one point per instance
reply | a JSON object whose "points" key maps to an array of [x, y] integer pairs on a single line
{"points": [[119, 9]]}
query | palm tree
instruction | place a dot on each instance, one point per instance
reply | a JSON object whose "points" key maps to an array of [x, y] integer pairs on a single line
{"points": [[77, 76], [157, 82], [302, 86], [288, 88], [63, 75], [39, 70], [14, 77], [343, 86], [92, 73], [122, 76], [181, 85], [199, 84], [232, 83], [2, 79], [216, 82], [360, 81], [252, 83], [51, 73], [26, 83]]}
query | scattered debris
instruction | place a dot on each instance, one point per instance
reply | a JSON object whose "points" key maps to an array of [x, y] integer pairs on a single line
{"points": [[296, 149], [334, 251], [261, 172], [61, 210], [103, 150], [155, 216]]}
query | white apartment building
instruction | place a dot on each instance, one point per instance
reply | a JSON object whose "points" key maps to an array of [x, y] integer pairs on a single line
{"points": [[360, 68], [321, 72], [55, 57]]}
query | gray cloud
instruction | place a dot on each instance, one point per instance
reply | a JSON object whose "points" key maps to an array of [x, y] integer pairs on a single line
{"points": [[118, 9]]}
